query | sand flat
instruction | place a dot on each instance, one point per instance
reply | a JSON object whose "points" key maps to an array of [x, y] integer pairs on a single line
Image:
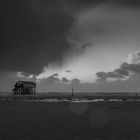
{"points": [[70, 121]]}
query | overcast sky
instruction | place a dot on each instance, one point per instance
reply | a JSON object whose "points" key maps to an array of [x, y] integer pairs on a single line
{"points": [[93, 45]]}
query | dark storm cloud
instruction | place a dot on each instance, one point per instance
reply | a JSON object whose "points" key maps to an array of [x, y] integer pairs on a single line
{"points": [[129, 3], [96, 2], [55, 74], [68, 71], [75, 81], [85, 46], [82, 4], [85, 2], [135, 68], [124, 70], [77, 5], [104, 75], [32, 34], [33, 31], [51, 80], [65, 79]]}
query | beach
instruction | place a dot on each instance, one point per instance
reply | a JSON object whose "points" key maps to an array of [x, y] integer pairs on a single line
{"points": [[100, 120]]}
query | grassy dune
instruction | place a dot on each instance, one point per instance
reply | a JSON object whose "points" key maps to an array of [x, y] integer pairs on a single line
{"points": [[69, 121]]}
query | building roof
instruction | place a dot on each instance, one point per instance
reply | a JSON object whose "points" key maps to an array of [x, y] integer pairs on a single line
{"points": [[28, 84]]}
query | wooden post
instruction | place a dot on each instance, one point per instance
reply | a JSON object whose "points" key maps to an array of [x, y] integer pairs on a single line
{"points": [[72, 91]]}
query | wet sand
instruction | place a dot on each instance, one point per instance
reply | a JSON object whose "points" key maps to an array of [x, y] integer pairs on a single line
{"points": [[23, 120]]}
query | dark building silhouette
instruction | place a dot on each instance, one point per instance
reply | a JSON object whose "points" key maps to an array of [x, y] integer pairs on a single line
{"points": [[24, 88]]}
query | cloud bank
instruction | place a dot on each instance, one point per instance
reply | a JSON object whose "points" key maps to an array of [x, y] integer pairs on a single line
{"points": [[99, 31], [125, 78], [132, 67], [68, 43]]}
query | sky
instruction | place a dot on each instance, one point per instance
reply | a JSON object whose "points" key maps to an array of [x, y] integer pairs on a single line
{"points": [[91, 45]]}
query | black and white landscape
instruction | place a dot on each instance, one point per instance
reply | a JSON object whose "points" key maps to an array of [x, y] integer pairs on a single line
{"points": [[70, 70]]}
